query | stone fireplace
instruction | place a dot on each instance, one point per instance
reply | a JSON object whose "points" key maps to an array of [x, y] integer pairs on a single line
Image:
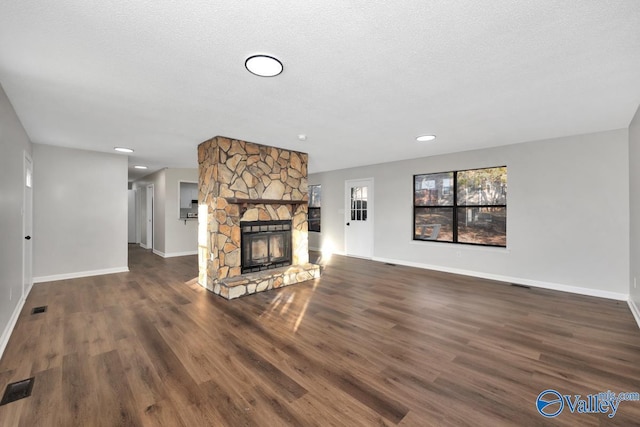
{"points": [[252, 218]]}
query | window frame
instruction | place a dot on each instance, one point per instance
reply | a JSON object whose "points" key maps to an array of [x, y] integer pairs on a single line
{"points": [[313, 208], [454, 207]]}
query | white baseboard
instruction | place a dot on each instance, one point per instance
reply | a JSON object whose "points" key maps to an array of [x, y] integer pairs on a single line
{"points": [[174, 254], [143, 246], [78, 274], [330, 253], [508, 279], [634, 310], [8, 330]]}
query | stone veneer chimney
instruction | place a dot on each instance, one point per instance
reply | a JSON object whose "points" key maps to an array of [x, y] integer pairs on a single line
{"points": [[243, 181]]}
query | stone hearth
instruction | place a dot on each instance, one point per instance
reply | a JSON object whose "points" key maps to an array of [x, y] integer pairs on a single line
{"points": [[243, 181]]}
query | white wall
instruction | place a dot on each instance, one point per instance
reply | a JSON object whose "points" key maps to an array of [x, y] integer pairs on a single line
{"points": [[131, 216], [181, 237], [634, 203], [80, 213], [14, 142], [568, 214]]}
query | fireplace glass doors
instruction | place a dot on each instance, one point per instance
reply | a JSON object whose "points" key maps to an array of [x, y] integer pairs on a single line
{"points": [[265, 245]]}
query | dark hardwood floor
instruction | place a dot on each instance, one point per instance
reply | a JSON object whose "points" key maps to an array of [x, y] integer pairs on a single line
{"points": [[368, 344]]}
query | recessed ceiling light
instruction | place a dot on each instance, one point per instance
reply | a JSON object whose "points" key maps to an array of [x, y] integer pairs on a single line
{"points": [[263, 65], [123, 149], [302, 137], [139, 167], [424, 138]]}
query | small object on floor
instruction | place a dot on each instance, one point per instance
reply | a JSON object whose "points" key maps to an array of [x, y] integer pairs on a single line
{"points": [[40, 309], [18, 390]]}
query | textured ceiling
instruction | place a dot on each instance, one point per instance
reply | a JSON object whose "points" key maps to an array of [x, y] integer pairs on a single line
{"points": [[362, 79]]}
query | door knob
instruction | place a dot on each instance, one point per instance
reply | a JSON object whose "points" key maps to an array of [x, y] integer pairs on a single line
{"points": [[28, 237], [348, 223]]}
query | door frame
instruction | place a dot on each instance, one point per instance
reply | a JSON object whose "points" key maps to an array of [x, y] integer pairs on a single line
{"points": [[138, 215], [149, 220], [370, 213], [27, 229]]}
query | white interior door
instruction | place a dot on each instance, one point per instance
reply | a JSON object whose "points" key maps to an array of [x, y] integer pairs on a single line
{"points": [[27, 227], [149, 242], [358, 230]]}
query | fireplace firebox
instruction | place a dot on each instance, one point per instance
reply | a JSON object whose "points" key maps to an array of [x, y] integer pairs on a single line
{"points": [[265, 245]]}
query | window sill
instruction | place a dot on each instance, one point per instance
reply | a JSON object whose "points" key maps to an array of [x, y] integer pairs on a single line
{"points": [[461, 246]]}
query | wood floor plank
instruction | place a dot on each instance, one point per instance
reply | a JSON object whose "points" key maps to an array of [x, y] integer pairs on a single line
{"points": [[284, 385], [232, 410], [114, 394], [79, 404], [144, 382], [368, 344], [193, 354], [166, 364], [161, 414]]}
